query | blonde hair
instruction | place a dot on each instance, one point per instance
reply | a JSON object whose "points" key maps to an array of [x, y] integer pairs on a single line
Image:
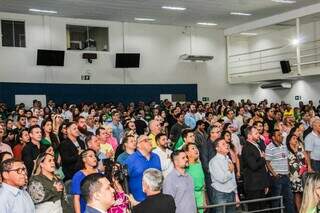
{"points": [[310, 198], [40, 159]]}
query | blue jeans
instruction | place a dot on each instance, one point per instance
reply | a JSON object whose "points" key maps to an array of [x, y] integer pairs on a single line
{"points": [[222, 197], [281, 186], [315, 164]]}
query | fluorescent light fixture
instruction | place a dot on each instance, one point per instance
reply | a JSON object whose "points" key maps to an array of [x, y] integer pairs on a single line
{"points": [[296, 41], [249, 34], [240, 14], [173, 8], [144, 19], [284, 1], [207, 24], [43, 11]]}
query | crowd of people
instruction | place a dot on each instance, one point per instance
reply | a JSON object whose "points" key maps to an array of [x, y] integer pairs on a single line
{"points": [[159, 157]]}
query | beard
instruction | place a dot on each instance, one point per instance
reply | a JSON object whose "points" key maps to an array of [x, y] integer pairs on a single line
{"points": [[83, 130]]}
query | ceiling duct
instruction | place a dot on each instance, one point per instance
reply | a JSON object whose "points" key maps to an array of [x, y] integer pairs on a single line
{"points": [[276, 85], [187, 57]]}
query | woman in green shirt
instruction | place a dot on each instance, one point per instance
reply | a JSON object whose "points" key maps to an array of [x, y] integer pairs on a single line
{"points": [[311, 194], [196, 172], [49, 138]]}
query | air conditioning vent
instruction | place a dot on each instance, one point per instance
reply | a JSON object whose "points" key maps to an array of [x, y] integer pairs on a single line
{"points": [[277, 85], [187, 57]]}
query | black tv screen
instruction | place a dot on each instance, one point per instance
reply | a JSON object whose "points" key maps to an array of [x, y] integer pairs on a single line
{"points": [[50, 58], [127, 60]]}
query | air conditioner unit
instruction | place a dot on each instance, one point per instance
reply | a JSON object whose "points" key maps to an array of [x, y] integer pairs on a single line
{"points": [[276, 85], [187, 57]]}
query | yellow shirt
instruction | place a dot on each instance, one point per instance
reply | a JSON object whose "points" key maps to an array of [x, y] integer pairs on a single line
{"points": [[288, 113], [152, 137]]}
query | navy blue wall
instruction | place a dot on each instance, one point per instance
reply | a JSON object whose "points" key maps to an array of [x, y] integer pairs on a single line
{"points": [[77, 93]]}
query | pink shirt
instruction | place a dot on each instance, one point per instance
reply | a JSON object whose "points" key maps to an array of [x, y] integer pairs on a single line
{"points": [[5, 148], [113, 142], [120, 205]]}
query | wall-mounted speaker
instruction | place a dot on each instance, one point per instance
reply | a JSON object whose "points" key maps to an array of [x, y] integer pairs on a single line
{"points": [[89, 56], [285, 67]]}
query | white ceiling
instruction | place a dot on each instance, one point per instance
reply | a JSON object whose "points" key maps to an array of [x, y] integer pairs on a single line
{"points": [[217, 11]]}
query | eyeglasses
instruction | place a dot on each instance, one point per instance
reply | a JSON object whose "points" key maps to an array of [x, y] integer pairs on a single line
{"points": [[18, 170]]}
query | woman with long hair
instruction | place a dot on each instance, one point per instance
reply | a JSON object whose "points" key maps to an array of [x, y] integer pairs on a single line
{"points": [[297, 164], [233, 154], [87, 164], [46, 189], [24, 138], [311, 194], [48, 137]]}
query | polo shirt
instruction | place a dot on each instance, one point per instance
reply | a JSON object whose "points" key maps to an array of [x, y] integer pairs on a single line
{"points": [[181, 188], [14, 200], [312, 144], [278, 157], [137, 164]]}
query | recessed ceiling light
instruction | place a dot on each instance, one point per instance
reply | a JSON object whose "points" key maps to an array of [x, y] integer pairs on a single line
{"points": [[249, 34], [207, 24], [144, 19], [173, 8], [42, 11], [284, 1], [240, 14]]}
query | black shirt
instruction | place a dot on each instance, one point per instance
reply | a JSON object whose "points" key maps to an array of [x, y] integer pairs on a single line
{"points": [[30, 153], [159, 203]]}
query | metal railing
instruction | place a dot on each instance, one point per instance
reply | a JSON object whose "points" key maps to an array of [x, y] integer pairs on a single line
{"points": [[225, 205]]}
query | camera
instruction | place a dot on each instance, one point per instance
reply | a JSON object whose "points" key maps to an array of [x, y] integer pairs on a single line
{"points": [[116, 172]]}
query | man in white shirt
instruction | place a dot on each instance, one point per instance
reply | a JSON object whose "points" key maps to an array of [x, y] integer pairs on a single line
{"points": [[12, 197], [164, 153], [223, 177]]}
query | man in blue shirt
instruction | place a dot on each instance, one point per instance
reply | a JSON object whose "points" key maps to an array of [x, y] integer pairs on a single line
{"points": [[137, 163], [190, 117], [12, 197]]}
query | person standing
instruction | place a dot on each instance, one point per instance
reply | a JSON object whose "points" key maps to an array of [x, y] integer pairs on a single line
{"points": [[137, 163], [223, 178], [45, 189], [32, 150], [196, 172], [164, 153], [277, 163], [13, 198], [87, 164], [254, 169], [98, 193], [207, 152], [156, 201], [179, 184], [69, 150], [312, 146], [311, 194]]}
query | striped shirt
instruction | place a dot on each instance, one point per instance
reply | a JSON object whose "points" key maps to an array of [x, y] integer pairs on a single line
{"points": [[278, 157]]}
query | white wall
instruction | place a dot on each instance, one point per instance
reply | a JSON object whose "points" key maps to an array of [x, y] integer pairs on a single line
{"points": [[306, 87], [160, 47]]}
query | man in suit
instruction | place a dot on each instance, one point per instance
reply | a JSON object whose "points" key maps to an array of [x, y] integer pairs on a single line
{"points": [[70, 150], [207, 152], [254, 170], [98, 193], [156, 201]]}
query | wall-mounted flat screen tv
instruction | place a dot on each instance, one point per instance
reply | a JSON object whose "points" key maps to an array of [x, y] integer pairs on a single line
{"points": [[127, 60], [50, 57]]}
